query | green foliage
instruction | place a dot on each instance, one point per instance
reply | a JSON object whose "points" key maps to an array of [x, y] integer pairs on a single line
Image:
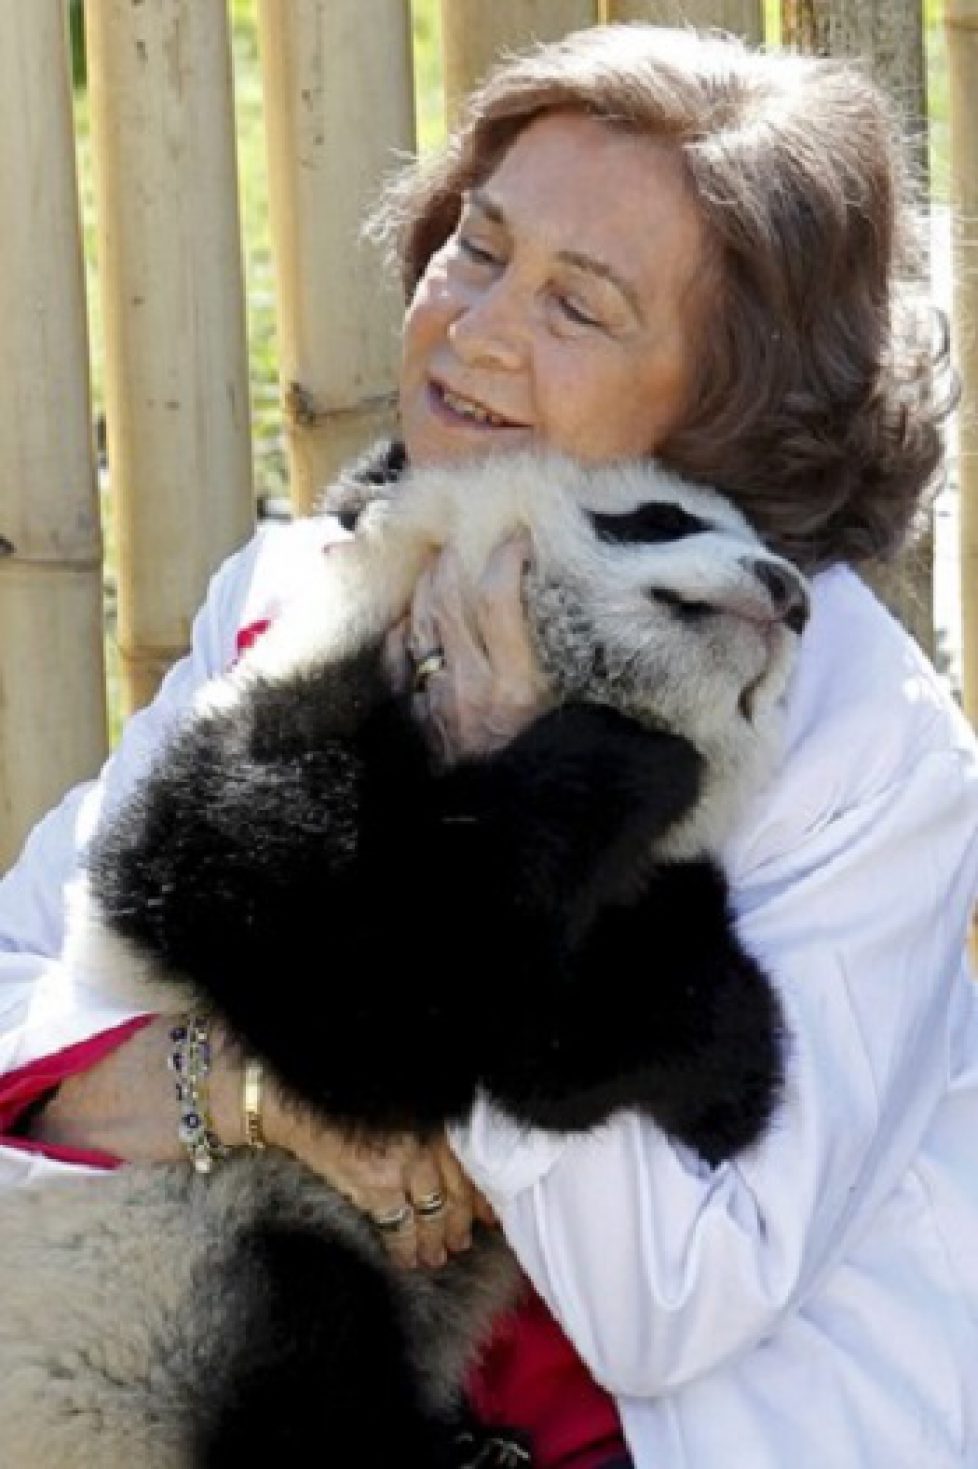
{"points": [[76, 40]]}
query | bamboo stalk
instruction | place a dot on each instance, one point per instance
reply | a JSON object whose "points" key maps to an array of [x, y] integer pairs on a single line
{"points": [[961, 19], [173, 302], [740, 17], [339, 114], [52, 700], [888, 36], [474, 35]]}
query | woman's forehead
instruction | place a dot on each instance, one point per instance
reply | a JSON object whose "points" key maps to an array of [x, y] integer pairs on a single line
{"points": [[584, 186]]}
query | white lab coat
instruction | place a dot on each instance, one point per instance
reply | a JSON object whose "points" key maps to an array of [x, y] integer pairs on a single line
{"points": [[813, 1305]]}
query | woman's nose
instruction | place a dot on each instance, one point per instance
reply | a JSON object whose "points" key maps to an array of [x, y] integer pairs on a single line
{"points": [[487, 332]]}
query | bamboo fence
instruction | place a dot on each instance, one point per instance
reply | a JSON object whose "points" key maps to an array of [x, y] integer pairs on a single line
{"points": [[888, 37], [176, 360], [334, 71], [337, 79], [52, 708], [962, 50]]}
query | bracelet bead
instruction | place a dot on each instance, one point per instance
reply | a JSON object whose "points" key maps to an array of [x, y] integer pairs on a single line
{"points": [[190, 1062]]}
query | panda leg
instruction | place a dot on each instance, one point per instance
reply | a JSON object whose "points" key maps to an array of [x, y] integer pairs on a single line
{"points": [[659, 1007], [320, 1367]]}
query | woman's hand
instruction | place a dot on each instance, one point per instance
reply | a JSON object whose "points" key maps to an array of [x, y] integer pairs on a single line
{"points": [[125, 1106], [489, 686], [423, 1184]]}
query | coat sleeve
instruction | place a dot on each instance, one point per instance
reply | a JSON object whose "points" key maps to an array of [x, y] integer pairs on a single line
{"points": [[42, 1009], [633, 1242]]}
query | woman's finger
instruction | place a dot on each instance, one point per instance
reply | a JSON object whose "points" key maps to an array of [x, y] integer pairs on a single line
{"points": [[396, 659], [429, 1199], [454, 614], [424, 637], [394, 1218], [501, 615], [461, 1196], [434, 635]]}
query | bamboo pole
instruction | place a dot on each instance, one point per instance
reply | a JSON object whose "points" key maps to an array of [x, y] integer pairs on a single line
{"points": [[52, 700], [474, 35], [740, 17], [961, 19], [339, 115], [887, 35], [173, 302]]}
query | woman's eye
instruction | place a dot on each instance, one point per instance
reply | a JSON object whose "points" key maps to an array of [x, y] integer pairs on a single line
{"points": [[576, 313], [475, 252]]}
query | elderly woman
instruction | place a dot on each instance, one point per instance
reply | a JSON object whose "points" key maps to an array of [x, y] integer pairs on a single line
{"points": [[644, 242]]}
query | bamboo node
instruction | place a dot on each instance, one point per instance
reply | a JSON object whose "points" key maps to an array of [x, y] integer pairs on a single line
{"points": [[302, 411], [300, 406]]}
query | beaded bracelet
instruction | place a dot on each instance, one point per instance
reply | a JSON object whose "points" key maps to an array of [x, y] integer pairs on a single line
{"points": [[190, 1062]]}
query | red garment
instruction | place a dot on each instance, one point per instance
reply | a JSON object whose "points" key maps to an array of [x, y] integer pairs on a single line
{"points": [[18, 1089], [530, 1377]]}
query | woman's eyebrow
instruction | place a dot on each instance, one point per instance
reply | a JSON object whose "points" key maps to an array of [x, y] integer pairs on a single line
{"points": [[590, 264]]}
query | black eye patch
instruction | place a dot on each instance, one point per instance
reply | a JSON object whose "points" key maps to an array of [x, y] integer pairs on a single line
{"points": [[686, 611], [649, 524]]}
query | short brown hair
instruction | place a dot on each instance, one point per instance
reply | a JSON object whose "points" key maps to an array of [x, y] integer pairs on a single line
{"points": [[821, 384]]}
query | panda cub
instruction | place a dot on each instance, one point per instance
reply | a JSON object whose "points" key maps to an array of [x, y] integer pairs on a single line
{"points": [[296, 849]]}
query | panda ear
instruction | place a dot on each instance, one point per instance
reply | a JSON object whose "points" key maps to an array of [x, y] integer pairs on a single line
{"points": [[653, 523]]}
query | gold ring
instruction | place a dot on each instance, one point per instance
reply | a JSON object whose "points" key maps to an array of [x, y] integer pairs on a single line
{"points": [[431, 1205], [432, 662], [394, 1221]]}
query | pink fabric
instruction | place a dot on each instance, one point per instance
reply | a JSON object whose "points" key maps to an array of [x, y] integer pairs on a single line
{"points": [[250, 634], [18, 1089], [530, 1377]]}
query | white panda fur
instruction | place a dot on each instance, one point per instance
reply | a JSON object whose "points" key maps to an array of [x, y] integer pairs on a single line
{"points": [[132, 1303], [655, 671]]}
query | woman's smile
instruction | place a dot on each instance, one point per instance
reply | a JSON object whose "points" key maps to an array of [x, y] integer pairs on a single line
{"points": [[458, 409], [563, 307]]}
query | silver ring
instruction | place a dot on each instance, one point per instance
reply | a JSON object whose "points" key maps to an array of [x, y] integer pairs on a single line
{"points": [[431, 1205], [425, 666], [394, 1221]]}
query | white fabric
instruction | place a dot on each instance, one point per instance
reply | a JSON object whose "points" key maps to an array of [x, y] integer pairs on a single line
{"points": [[815, 1304]]}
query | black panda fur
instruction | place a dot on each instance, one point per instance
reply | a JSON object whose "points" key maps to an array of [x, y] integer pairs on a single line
{"points": [[297, 842]]}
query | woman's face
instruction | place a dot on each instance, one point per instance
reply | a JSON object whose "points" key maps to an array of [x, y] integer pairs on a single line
{"points": [[563, 309]]}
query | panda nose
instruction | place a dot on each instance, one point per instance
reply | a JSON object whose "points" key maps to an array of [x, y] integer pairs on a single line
{"points": [[788, 593]]}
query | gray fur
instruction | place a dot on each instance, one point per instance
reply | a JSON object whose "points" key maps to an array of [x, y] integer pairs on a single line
{"points": [[120, 1293]]}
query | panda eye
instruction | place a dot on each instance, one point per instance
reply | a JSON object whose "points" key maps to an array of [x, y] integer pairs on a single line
{"points": [[686, 610], [655, 523]]}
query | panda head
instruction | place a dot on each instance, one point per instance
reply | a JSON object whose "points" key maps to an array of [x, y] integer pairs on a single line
{"points": [[659, 599], [644, 592]]}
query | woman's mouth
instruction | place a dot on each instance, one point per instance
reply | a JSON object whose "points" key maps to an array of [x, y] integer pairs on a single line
{"points": [[455, 408]]}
